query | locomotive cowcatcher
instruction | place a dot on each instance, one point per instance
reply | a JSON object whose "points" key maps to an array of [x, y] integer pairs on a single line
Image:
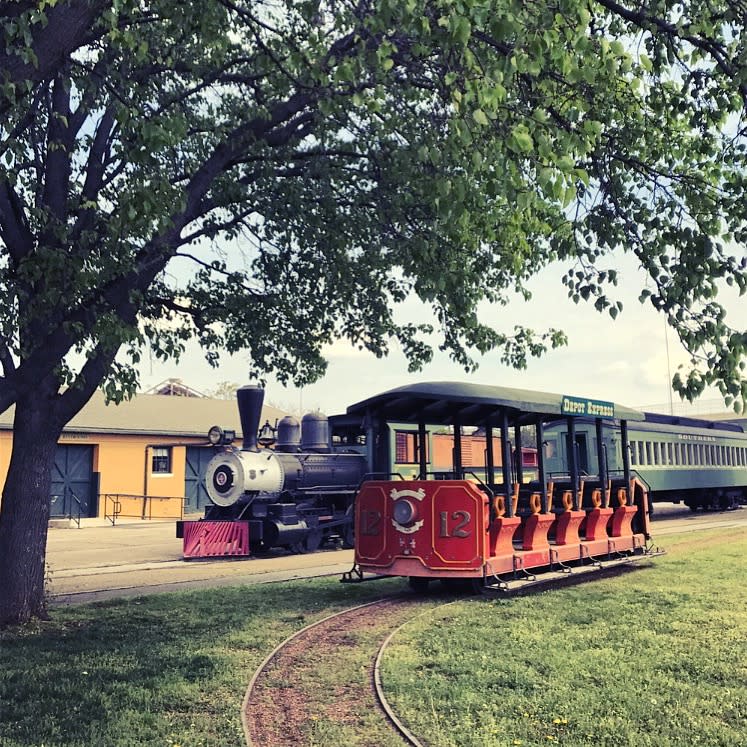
{"points": [[498, 527]]}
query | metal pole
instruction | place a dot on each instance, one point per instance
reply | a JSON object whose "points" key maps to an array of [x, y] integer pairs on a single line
{"points": [[601, 462], [541, 462], [489, 456], [572, 462], [423, 449], [518, 456], [625, 454], [506, 458], [457, 449]]}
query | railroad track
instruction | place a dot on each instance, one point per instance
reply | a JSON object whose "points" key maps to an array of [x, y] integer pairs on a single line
{"points": [[285, 699], [285, 695]]}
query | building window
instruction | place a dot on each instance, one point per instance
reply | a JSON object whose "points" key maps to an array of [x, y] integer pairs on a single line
{"points": [[161, 460]]}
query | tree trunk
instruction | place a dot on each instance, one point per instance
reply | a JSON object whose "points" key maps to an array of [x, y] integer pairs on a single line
{"points": [[24, 513]]}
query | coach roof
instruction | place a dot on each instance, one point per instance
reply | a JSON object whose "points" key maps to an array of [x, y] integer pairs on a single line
{"points": [[443, 401]]}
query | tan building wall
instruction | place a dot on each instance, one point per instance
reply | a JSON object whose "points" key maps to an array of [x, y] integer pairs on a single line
{"points": [[123, 438]]}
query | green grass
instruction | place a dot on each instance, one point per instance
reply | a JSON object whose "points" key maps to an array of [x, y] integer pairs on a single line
{"points": [[655, 657], [169, 669], [652, 657]]}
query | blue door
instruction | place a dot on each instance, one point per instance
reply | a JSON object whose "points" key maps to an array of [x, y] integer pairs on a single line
{"points": [[194, 479], [73, 482]]}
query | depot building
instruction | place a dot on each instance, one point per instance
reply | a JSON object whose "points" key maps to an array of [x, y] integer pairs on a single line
{"points": [[144, 458]]}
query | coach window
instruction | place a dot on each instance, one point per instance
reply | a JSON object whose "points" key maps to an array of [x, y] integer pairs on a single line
{"points": [[633, 453], [670, 453], [656, 452], [161, 460]]}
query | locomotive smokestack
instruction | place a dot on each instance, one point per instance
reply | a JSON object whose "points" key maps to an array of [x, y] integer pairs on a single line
{"points": [[250, 399]]}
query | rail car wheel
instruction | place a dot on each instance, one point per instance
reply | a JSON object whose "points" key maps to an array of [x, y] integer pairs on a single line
{"points": [[418, 584]]}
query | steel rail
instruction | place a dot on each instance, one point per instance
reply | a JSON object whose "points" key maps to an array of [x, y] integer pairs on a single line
{"points": [[394, 721]]}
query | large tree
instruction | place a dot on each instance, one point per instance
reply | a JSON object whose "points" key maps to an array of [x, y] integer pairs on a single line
{"points": [[268, 176]]}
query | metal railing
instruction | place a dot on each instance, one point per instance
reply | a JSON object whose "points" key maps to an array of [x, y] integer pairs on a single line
{"points": [[75, 510], [131, 506]]}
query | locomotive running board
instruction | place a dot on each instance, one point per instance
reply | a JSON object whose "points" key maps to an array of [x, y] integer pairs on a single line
{"points": [[577, 574]]}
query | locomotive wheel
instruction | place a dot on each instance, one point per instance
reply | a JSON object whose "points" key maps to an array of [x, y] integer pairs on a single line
{"points": [[312, 541]]}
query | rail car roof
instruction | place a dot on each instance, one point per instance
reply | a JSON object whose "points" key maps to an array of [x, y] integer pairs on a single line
{"points": [[442, 401], [676, 420]]}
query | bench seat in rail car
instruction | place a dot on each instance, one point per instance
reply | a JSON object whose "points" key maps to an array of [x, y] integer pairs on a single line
{"points": [[593, 522]]}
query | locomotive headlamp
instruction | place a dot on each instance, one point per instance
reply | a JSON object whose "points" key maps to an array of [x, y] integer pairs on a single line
{"points": [[404, 512], [218, 436]]}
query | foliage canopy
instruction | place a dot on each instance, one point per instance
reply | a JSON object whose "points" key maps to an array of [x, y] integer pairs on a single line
{"points": [[270, 175]]}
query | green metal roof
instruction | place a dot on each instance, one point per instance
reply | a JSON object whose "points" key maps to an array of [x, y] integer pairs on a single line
{"points": [[441, 402]]}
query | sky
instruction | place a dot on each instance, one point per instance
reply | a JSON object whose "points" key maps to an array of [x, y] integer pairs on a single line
{"points": [[630, 360]]}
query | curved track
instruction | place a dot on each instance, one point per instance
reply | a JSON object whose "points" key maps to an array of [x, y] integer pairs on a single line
{"points": [[281, 701]]}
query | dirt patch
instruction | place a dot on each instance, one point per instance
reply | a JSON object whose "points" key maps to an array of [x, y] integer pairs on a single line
{"points": [[324, 673]]}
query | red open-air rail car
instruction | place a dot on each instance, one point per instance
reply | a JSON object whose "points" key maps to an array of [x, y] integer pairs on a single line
{"points": [[500, 527]]}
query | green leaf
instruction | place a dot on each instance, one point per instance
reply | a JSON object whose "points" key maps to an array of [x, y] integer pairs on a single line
{"points": [[480, 117]]}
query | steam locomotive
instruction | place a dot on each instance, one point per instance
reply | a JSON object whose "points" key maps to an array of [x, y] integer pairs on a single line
{"points": [[297, 495]]}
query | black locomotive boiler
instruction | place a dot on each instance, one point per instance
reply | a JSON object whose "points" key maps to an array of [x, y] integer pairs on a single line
{"points": [[296, 495]]}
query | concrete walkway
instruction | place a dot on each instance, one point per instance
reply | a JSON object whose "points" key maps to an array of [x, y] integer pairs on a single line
{"points": [[130, 559]]}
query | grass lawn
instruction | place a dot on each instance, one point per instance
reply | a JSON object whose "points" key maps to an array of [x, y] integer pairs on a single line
{"points": [[656, 656], [168, 669], [652, 657]]}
